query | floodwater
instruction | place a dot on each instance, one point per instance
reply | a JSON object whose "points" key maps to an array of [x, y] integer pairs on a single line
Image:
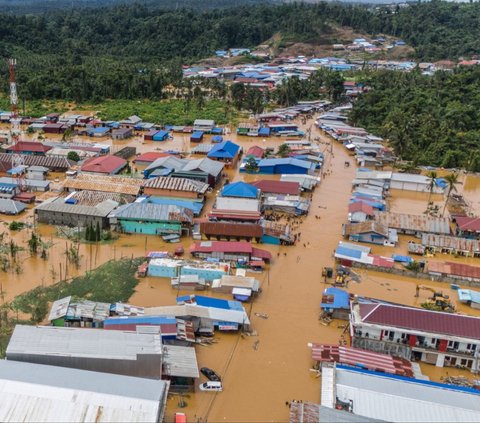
{"points": [[260, 373]]}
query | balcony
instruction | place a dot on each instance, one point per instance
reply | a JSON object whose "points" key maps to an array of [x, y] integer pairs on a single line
{"points": [[456, 351]]}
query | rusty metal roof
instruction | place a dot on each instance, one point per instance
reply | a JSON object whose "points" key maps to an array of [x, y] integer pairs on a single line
{"points": [[365, 227], [177, 184], [413, 222], [118, 184], [231, 229]]}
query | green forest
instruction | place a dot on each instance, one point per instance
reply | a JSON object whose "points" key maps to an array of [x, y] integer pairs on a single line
{"points": [[136, 51], [429, 120]]}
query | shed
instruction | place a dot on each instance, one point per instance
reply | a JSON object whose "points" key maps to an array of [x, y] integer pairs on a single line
{"points": [[122, 133], [197, 136], [161, 136], [286, 166]]}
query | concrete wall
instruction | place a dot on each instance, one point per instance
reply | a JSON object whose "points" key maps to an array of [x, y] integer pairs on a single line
{"points": [[399, 349], [233, 203], [69, 219]]}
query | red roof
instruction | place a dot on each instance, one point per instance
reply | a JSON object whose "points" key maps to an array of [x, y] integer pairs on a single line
{"points": [[36, 147], [256, 151], [278, 187], [421, 320], [468, 224], [361, 206], [244, 80], [229, 247], [382, 261], [356, 356], [150, 157], [103, 164], [457, 269]]}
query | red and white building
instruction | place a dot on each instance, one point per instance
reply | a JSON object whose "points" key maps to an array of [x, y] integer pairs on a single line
{"points": [[438, 338]]}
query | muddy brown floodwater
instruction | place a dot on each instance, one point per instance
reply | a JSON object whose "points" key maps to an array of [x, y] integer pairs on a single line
{"points": [[258, 381]]}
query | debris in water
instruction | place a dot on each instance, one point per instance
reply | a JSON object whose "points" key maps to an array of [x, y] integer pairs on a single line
{"points": [[262, 315], [255, 345]]}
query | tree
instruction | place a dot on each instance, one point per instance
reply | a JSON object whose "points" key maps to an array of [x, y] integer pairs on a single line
{"points": [[283, 150], [432, 176], [68, 135], [251, 165], [452, 181], [73, 155]]}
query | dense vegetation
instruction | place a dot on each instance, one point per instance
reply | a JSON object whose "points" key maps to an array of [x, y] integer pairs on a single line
{"points": [[430, 120]]}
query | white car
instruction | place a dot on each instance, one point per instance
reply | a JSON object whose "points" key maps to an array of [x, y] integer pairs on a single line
{"points": [[211, 386]]}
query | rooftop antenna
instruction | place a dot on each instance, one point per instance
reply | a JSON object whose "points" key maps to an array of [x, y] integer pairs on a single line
{"points": [[17, 159]]}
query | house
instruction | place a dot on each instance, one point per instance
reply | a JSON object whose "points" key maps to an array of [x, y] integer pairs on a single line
{"points": [[362, 359], [203, 125], [166, 325], [434, 337], [160, 136], [359, 212], [122, 133], [54, 128], [130, 122], [55, 164], [225, 250], [128, 187], [34, 148], [267, 187], [238, 196], [36, 392], [226, 152], [418, 183], [288, 204], [231, 230], [197, 136], [173, 268], [365, 395], [151, 219], [285, 166], [104, 165], [228, 284], [412, 224], [247, 129], [256, 152], [468, 227], [204, 170], [125, 353], [29, 184], [98, 132], [175, 187], [37, 172], [148, 158], [336, 303], [10, 207], [83, 209], [369, 231], [164, 166]]}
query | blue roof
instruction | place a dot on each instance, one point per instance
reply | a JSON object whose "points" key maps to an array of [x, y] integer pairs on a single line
{"points": [[286, 161], [402, 259], [441, 182], [99, 130], [211, 302], [224, 150], [160, 135], [240, 189], [217, 138], [264, 131], [468, 295], [348, 252], [341, 298], [217, 131], [195, 206], [197, 134]]}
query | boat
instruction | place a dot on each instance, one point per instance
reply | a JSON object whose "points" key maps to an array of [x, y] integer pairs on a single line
{"points": [[179, 251]]}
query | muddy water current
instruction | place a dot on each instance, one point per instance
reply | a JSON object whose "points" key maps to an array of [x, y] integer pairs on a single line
{"points": [[259, 372]]}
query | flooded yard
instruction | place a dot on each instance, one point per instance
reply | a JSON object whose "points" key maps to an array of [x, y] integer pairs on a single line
{"points": [[261, 372]]}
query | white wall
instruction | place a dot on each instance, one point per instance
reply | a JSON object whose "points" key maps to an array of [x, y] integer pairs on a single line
{"points": [[233, 203]]}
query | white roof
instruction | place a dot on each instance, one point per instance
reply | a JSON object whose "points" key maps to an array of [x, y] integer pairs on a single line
{"points": [[180, 361], [82, 342], [409, 177], [39, 393], [397, 399]]}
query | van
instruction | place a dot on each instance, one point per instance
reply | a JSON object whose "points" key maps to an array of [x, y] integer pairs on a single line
{"points": [[211, 386]]}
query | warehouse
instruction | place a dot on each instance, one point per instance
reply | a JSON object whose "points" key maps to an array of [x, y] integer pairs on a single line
{"points": [[286, 166], [35, 392]]}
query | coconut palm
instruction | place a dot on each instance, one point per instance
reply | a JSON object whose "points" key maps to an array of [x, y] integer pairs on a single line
{"points": [[452, 181], [432, 175]]}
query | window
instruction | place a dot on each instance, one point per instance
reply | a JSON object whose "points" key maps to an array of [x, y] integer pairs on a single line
{"points": [[434, 340]]}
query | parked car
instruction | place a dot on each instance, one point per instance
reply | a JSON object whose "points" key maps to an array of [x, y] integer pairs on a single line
{"points": [[210, 374], [180, 418], [211, 386]]}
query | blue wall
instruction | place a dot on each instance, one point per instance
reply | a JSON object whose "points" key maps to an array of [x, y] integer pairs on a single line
{"points": [[150, 228]]}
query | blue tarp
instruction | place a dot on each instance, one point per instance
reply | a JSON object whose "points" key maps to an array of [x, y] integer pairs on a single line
{"points": [[440, 182], [211, 302], [264, 132], [240, 189], [100, 130], [217, 139], [160, 136], [218, 131]]}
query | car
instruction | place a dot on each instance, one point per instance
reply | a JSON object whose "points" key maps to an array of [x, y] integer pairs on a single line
{"points": [[211, 387], [210, 374], [180, 418]]}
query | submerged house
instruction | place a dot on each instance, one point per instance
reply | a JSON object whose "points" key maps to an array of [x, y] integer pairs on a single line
{"points": [[175, 187], [229, 250], [238, 196], [336, 303], [226, 152], [370, 231], [104, 165], [286, 166], [151, 219]]}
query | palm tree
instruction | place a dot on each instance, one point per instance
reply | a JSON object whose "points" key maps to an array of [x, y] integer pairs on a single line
{"points": [[452, 181], [432, 175]]}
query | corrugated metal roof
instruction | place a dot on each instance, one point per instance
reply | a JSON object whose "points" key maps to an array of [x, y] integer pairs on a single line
{"points": [[231, 229], [206, 165], [118, 184], [177, 184], [11, 207], [202, 148], [180, 361], [237, 282], [365, 227], [453, 242], [57, 204], [287, 161], [277, 187], [153, 212], [412, 222], [103, 164], [59, 308], [419, 319], [469, 224], [398, 399], [240, 189], [454, 269], [82, 342], [224, 150], [35, 392]]}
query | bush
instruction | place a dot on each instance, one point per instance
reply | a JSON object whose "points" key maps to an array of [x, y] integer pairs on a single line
{"points": [[16, 226], [73, 155]]}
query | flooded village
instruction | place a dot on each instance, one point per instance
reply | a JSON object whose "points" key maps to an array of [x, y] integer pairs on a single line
{"points": [[264, 252]]}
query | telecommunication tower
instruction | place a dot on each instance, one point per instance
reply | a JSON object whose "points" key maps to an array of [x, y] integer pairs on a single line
{"points": [[17, 159]]}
